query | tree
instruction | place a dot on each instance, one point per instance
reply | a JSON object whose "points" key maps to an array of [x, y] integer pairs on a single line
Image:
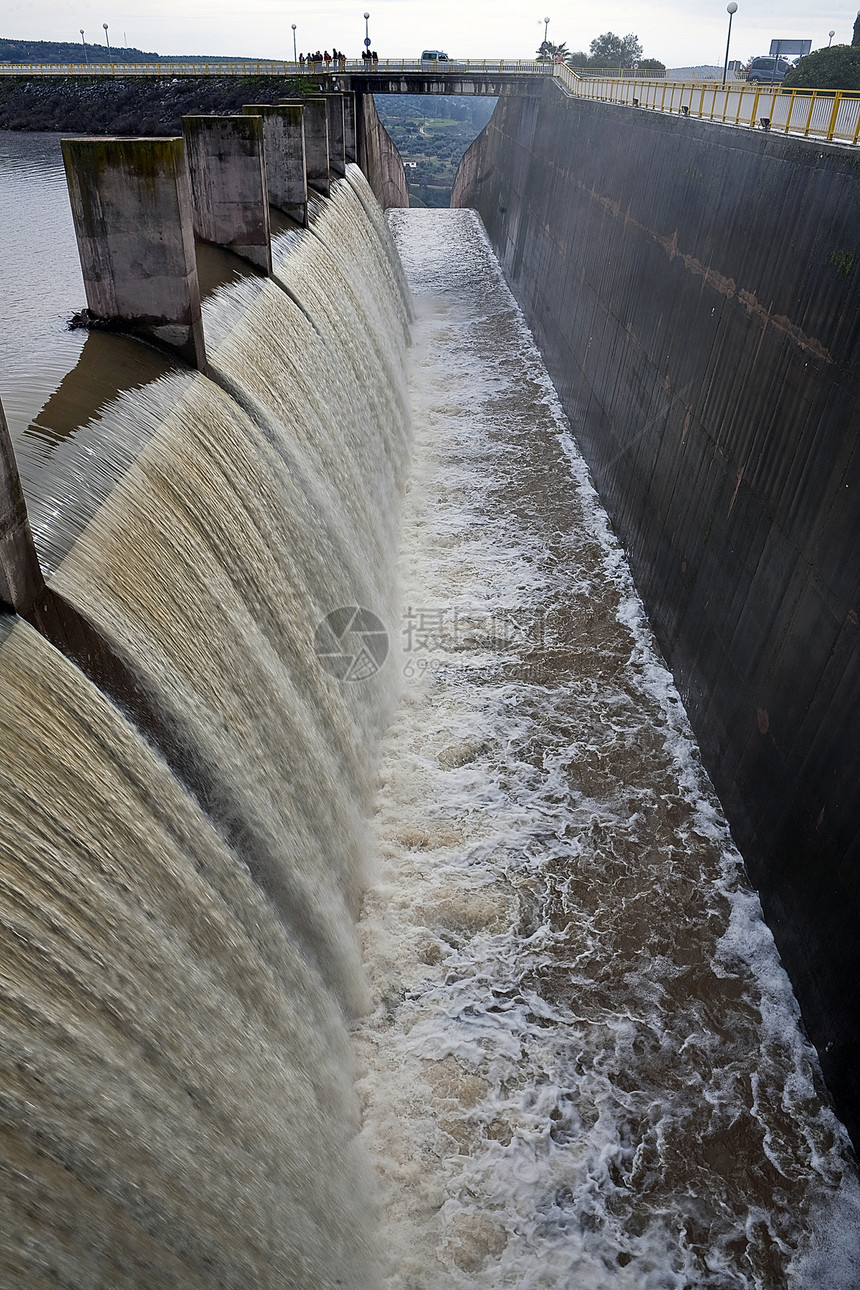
{"points": [[651, 65], [610, 50], [550, 53], [836, 68]]}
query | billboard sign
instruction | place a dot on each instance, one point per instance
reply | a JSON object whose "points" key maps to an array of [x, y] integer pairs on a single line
{"points": [[785, 47]]}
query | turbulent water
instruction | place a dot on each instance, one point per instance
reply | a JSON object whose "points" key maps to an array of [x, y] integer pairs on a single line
{"points": [[575, 1058], [177, 1101], [583, 1067]]}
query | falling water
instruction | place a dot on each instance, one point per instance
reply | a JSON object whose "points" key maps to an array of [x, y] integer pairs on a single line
{"points": [[580, 1061], [583, 1067], [176, 1073]]}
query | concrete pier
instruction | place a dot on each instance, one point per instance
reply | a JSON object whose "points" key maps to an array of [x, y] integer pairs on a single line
{"points": [[317, 144], [131, 203], [229, 202], [349, 128], [336, 133], [284, 153], [21, 581]]}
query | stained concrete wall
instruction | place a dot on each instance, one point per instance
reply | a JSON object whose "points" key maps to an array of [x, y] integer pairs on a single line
{"points": [[695, 290], [21, 581], [131, 205], [229, 202], [378, 156]]}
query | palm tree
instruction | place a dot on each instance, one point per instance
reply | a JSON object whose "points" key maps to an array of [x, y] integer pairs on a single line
{"points": [[550, 53]]}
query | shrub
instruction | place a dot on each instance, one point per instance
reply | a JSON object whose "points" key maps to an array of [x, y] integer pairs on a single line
{"points": [[836, 68]]}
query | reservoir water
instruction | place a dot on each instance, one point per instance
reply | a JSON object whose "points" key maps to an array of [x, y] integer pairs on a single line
{"points": [[561, 1049]]}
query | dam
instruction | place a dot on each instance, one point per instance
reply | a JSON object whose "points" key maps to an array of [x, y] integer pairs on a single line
{"points": [[560, 1047]]}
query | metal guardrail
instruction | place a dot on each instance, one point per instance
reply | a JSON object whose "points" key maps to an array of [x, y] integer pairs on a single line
{"points": [[529, 67], [831, 115], [616, 73]]}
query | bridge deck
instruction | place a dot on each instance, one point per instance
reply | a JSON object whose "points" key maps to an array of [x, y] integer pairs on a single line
{"points": [[832, 116]]}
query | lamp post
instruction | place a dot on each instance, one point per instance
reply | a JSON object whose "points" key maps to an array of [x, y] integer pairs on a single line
{"points": [[366, 32], [545, 27], [107, 42], [731, 10], [831, 34], [84, 43], [295, 56]]}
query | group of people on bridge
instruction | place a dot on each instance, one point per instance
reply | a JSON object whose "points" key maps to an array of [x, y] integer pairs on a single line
{"points": [[337, 57], [317, 60]]}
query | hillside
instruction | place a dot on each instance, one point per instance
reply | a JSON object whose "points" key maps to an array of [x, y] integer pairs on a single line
{"points": [[431, 132], [58, 51]]}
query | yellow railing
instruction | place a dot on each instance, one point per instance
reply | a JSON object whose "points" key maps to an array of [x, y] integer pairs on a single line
{"points": [[832, 115]]}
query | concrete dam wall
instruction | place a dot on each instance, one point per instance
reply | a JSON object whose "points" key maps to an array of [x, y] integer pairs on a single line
{"points": [[695, 290]]}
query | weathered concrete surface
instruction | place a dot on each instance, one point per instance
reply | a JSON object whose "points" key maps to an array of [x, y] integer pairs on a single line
{"points": [[378, 156], [131, 203], [695, 291], [229, 203], [284, 155], [21, 581], [336, 133], [316, 144], [349, 127]]}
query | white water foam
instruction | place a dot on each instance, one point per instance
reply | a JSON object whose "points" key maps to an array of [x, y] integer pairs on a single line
{"points": [[584, 1066]]}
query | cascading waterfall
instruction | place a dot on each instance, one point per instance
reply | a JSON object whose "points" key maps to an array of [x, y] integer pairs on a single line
{"points": [[177, 1074]]}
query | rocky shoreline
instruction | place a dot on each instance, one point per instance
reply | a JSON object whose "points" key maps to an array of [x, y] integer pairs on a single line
{"points": [[146, 105]]}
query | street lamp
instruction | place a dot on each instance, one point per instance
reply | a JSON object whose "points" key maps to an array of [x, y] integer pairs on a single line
{"points": [[366, 32], [731, 10], [84, 43], [545, 26], [831, 34], [295, 57], [107, 42]]}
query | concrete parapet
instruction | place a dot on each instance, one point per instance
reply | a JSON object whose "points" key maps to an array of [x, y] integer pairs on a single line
{"points": [[228, 184], [21, 581], [284, 155], [317, 144], [131, 203]]}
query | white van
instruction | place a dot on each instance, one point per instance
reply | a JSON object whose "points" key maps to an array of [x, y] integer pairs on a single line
{"points": [[434, 56]]}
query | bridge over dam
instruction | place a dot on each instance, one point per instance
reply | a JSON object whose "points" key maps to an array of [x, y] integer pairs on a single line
{"points": [[369, 915]]}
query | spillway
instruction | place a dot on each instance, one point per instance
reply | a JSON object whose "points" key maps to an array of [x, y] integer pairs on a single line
{"points": [[178, 1107], [583, 1066], [443, 976]]}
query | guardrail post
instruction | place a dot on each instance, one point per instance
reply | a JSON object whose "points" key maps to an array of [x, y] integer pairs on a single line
{"points": [[229, 202], [131, 203], [831, 125], [284, 155]]}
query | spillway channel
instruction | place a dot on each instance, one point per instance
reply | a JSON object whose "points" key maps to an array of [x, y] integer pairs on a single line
{"points": [[584, 1065]]}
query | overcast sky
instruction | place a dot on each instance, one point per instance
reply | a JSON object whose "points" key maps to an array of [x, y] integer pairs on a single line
{"points": [[680, 33]]}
